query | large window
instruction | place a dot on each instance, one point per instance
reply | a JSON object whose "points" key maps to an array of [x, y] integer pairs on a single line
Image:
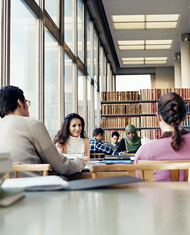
{"points": [[95, 55], [80, 93], [53, 9], [0, 38], [69, 22], [68, 85], [80, 21], [89, 93], [52, 93], [24, 53], [88, 45]]}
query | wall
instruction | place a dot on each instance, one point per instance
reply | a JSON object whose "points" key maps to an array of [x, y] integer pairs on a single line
{"points": [[163, 78]]}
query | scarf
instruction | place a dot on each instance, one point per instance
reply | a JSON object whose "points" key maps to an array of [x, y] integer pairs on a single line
{"points": [[132, 145]]}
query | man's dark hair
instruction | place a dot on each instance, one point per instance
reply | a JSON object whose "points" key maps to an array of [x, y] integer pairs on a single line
{"points": [[115, 133], [8, 99], [98, 131]]}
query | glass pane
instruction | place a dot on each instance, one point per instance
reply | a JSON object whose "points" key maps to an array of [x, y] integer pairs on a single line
{"points": [[52, 7], [68, 84], [51, 84], [89, 108], [95, 105], [80, 30], [95, 55], [88, 44], [0, 37], [80, 93], [68, 23], [24, 53]]}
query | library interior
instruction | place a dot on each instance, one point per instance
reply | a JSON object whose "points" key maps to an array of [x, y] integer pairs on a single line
{"points": [[95, 117]]}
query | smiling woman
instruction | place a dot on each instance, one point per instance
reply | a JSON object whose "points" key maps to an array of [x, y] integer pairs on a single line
{"points": [[71, 138]]}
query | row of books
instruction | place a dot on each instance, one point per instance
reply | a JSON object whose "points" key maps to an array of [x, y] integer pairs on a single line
{"points": [[151, 134], [121, 109], [155, 94], [119, 95], [149, 121], [119, 122]]}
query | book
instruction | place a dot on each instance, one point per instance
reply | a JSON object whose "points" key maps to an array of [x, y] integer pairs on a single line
{"points": [[52, 182], [117, 161], [8, 197]]}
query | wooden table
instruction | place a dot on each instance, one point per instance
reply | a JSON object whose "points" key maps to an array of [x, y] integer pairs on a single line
{"points": [[138, 208]]}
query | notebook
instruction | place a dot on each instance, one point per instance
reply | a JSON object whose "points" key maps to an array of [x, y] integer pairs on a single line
{"points": [[52, 182]]}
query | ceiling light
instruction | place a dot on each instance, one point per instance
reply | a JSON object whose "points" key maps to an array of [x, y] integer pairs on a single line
{"points": [[125, 25], [128, 18], [131, 42], [163, 17], [144, 44], [144, 60], [164, 21]]}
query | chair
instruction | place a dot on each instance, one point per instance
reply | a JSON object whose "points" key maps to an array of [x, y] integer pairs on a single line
{"points": [[16, 168], [97, 155], [146, 170]]}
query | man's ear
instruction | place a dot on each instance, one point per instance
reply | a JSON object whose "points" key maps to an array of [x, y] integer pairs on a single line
{"points": [[20, 103], [158, 117]]}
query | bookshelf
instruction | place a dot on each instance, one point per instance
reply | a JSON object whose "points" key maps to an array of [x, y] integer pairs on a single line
{"points": [[138, 109]]}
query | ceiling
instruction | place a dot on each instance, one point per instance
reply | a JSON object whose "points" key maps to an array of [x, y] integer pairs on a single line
{"points": [[144, 7]]}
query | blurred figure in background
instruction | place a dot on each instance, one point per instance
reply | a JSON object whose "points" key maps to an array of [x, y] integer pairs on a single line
{"points": [[130, 143]]}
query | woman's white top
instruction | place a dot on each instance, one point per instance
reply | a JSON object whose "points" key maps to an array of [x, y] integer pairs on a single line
{"points": [[75, 145]]}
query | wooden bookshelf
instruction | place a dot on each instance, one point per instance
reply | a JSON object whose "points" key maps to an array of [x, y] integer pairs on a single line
{"points": [[138, 109]]}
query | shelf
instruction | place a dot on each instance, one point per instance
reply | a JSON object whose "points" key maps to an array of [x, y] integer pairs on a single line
{"points": [[120, 115], [132, 115], [132, 101]]}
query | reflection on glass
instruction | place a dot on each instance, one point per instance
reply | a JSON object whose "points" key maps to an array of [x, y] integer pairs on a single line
{"points": [[53, 7], [68, 85], [68, 23], [88, 44], [89, 107], [51, 84], [80, 94], [80, 30], [24, 53]]}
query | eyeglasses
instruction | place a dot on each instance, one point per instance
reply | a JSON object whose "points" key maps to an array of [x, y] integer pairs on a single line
{"points": [[28, 103]]}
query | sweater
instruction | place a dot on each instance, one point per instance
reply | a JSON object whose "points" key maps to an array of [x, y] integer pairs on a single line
{"points": [[28, 142], [161, 150]]}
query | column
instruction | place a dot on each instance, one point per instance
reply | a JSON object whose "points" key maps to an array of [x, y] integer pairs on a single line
{"points": [[177, 70], [185, 60]]}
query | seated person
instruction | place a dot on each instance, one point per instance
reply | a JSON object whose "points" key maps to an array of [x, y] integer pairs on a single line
{"points": [[114, 140], [130, 143], [96, 144], [174, 142], [27, 139], [71, 138]]}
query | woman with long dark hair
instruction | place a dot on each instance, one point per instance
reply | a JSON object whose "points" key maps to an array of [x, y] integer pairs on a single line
{"points": [[174, 142], [71, 138]]}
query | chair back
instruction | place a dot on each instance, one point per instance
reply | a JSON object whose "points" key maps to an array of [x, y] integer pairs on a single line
{"points": [[97, 155], [146, 170], [16, 168]]}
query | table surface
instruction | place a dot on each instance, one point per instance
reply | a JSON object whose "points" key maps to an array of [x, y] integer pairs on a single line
{"points": [[139, 208]]}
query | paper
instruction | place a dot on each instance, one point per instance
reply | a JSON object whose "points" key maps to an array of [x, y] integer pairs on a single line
{"points": [[73, 156], [41, 181]]}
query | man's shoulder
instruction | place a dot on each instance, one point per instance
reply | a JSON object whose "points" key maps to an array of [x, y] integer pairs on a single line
{"points": [[24, 120]]}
